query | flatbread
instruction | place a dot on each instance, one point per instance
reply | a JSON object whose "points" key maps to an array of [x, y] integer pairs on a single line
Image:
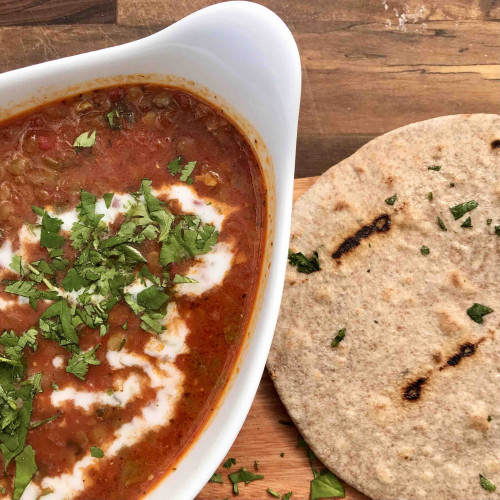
{"points": [[407, 406]]}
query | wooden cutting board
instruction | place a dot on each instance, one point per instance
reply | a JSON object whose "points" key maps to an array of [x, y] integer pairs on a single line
{"points": [[264, 439]]}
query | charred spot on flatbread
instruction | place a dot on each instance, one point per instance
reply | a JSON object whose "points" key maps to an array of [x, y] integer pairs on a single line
{"points": [[495, 144], [466, 350], [380, 224], [412, 391]]}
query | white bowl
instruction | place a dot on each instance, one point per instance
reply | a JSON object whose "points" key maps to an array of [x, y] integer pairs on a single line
{"points": [[243, 58]]}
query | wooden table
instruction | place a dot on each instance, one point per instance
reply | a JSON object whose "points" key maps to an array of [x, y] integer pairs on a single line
{"points": [[368, 66]]}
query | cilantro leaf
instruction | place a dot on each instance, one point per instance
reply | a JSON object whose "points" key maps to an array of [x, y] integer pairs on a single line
{"points": [[50, 227], [73, 281], [228, 463], [437, 168], [39, 423], [17, 264], [244, 476], [132, 253], [486, 483], [273, 493], [152, 298], [463, 208], [79, 363], [151, 322], [216, 478], [287, 496], [441, 224], [108, 198], [183, 279], [477, 311], [85, 140], [424, 250], [96, 452], [22, 288], [392, 199], [25, 470], [175, 166], [164, 220], [63, 331], [187, 171], [326, 485], [304, 265], [186, 241], [114, 121], [338, 338], [467, 223]]}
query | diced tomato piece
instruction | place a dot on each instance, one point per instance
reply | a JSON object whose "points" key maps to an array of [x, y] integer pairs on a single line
{"points": [[46, 142]]}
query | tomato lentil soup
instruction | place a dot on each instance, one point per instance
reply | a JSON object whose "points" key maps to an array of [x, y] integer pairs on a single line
{"points": [[132, 227]]}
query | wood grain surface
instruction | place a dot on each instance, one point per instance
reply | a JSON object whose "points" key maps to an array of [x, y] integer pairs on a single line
{"points": [[368, 66]]}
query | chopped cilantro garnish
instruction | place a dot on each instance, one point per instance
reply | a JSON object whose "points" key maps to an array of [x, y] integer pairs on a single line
{"points": [[216, 478], [477, 311], [25, 470], [228, 463], [104, 264], [437, 168], [49, 237], [326, 485], [186, 240], [304, 264], [122, 343], [392, 199], [183, 279], [467, 223], [489, 221], [424, 250], [152, 298], [175, 166], [459, 210], [17, 264], [108, 198], [114, 121], [282, 454], [430, 196], [78, 365], [34, 425], [151, 322], [256, 465], [73, 281], [244, 476], [85, 140], [489, 418], [187, 170], [486, 483], [441, 224], [497, 230], [273, 493], [287, 496], [96, 452], [338, 338]]}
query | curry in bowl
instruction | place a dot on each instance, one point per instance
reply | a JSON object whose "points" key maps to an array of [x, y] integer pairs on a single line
{"points": [[132, 227]]}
